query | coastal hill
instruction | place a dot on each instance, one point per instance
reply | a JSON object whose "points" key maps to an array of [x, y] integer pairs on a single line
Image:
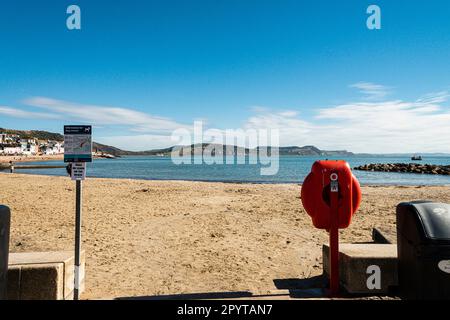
{"points": [[222, 149], [34, 134], [193, 149]]}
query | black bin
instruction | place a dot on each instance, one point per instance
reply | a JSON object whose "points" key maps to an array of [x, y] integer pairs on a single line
{"points": [[423, 242], [5, 219]]}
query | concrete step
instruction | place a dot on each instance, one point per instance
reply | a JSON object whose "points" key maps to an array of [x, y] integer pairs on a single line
{"points": [[42, 275], [354, 261]]}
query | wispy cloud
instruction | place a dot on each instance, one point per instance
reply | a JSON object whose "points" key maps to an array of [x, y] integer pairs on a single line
{"points": [[374, 127], [435, 98], [105, 115], [18, 113], [371, 90]]}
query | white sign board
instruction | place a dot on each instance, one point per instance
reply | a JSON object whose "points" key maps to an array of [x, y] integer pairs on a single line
{"points": [[78, 171]]}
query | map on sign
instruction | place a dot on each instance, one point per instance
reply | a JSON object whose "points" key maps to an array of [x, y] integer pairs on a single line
{"points": [[77, 144]]}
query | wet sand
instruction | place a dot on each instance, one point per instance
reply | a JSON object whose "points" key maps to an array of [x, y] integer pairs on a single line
{"points": [[146, 238]]}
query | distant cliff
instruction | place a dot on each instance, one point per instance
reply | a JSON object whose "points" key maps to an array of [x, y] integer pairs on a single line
{"points": [[312, 151], [222, 149]]}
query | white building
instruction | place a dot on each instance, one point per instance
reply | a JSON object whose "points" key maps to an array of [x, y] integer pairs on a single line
{"points": [[6, 149], [52, 147], [59, 147], [6, 138], [29, 146]]}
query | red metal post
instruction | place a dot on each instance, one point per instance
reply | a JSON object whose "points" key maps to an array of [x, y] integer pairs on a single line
{"points": [[334, 236]]}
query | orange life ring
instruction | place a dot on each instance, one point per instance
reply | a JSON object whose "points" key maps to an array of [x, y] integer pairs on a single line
{"points": [[315, 193]]}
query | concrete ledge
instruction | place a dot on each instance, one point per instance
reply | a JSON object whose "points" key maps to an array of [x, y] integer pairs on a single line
{"points": [[42, 275], [354, 259]]}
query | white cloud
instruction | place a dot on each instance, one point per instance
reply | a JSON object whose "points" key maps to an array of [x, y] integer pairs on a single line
{"points": [[104, 115], [18, 113], [435, 98], [373, 127], [371, 90]]}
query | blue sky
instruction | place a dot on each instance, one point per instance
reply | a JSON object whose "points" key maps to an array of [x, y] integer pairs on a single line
{"points": [[138, 70]]}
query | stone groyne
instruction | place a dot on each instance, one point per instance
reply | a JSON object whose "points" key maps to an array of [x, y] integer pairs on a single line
{"points": [[406, 168]]}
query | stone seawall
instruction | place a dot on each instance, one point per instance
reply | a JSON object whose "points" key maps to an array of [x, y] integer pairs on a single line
{"points": [[406, 168]]}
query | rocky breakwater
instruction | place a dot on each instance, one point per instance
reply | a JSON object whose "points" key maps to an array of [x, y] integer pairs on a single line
{"points": [[406, 168]]}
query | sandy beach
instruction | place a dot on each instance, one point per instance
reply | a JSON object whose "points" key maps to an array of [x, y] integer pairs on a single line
{"points": [[24, 158], [147, 238]]}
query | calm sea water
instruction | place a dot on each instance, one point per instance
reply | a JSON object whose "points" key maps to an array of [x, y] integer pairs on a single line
{"points": [[291, 170]]}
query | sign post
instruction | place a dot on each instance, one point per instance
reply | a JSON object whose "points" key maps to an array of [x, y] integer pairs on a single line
{"points": [[78, 211], [78, 151]]}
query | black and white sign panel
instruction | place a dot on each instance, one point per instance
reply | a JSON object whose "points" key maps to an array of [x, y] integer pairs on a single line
{"points": [[78, 171], [77, 143]]}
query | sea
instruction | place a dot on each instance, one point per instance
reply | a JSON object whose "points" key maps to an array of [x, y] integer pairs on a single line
{"points": [[292, 169]]}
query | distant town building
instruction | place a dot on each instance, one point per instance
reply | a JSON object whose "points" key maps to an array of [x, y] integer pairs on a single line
{"points": [[29, 146], [13, 144], [6, 138], [52, 148], [10, 149]]}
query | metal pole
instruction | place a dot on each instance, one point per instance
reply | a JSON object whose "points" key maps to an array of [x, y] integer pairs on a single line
{"points": [[76, 292], [334, 238]]}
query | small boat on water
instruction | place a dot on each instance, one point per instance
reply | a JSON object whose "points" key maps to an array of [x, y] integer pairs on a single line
{"points": [[416, 158]]}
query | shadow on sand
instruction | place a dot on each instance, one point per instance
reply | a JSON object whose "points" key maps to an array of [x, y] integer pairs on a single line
{"points": [[297, 288], [308, 288]]}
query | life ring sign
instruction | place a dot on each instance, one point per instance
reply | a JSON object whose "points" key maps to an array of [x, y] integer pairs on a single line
{"points": [[326, 177]]}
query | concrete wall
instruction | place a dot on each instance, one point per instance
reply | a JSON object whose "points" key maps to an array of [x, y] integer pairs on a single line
{"points": [[42, 276], [354, 260]]}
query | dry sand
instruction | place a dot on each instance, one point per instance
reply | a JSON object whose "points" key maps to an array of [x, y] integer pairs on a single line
{"points": [[24, 158], [146, 238]]}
